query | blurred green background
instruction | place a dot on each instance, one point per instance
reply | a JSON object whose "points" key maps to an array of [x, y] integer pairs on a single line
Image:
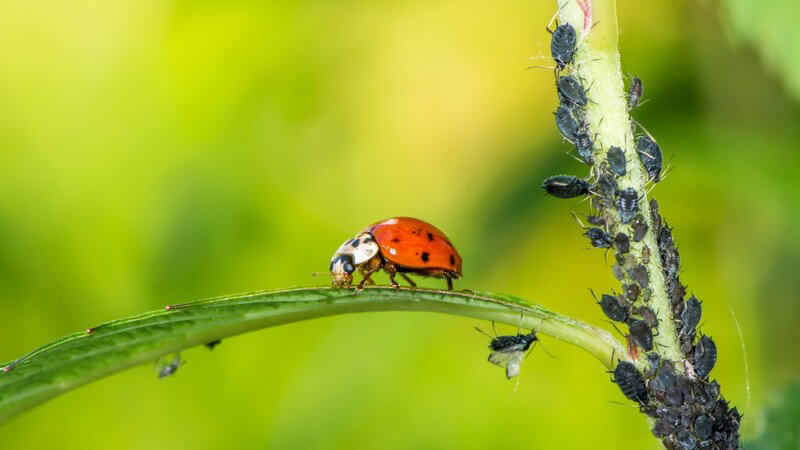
{"points": [[153, 152]]}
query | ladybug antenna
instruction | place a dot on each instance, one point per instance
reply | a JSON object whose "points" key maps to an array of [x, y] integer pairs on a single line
{"points": [[314, 274]]}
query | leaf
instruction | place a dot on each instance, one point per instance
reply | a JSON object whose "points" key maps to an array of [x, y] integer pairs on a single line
{"points": [[80, 358], [781, 422], [771, 27]]}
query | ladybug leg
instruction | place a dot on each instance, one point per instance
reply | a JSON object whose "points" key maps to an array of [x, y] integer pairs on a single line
{"points": [[374, 265], [410, 281], [449, 283], [391, 269]]}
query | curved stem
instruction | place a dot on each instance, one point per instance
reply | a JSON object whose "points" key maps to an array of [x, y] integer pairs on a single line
{"points": [[80, 358]]}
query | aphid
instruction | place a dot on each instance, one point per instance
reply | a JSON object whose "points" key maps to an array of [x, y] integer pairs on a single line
{"points": [[616, 160], [650, 156], [622, 243], [598, 237], [565, 186], [598, 221], [635, 92], [703, 426], [213, 344], [508, 351], [646, 294], [397, 245], [606, 186], [585, 147], [619, 272], [712, 389], [562, 47], [648, 315], [630, 382], [654, 362], [646, 254], [632, 291], [613, 308], [691, 316], [705, 356], [670, 258], [571, 92], [639, 228], [165, 370], [640, 275], [655, 216], [627, 205], [567, 124], [641, 333], [686, 440]]}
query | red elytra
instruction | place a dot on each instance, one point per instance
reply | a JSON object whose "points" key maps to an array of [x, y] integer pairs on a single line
{"points": [[414, 244], [397, 245]]}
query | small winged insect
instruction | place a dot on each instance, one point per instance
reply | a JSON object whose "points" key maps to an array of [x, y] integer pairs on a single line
{"points": [[635, 93], [630, 382], [509, 350], [565, 186], [571, 92], [616, 160], [166, 369], [562, 47], [627, 205], [650, 156]]}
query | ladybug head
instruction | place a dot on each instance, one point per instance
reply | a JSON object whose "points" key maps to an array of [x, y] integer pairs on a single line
{"points": [[342, 269]]}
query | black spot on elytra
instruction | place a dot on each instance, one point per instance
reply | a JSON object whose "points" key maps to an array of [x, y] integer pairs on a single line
{"points": [[425, 256], [430, 236], [355, 243], [395, 240], [452, 260]]}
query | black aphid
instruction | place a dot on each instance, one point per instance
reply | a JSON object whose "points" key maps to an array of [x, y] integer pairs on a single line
{"points": [[508, 351], [619, 272], [641, 333], [585, 147], [703, 426], [598, 221], [691, 316], [705, 356], [213, 344], [630, 382], [654, 363], [598, 237], [622, 243], [613, 308], [670, 258], [655, 216], [565, 186], [648, 315], [645, 254], [641, 276], [635, 92], [712, 389], [562, 47], [627, 205], [632, 291], [616, 160], [165, 370], [567, 124], [646, 294], [571, 92], [686, 440], [650, 156], [639, 228]]}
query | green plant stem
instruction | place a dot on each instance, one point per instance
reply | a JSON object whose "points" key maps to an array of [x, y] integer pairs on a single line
{"points": [[80, 358], [597, 64]]}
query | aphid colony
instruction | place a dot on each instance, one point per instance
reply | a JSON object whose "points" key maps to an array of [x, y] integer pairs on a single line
{"points": [[688, 409]]}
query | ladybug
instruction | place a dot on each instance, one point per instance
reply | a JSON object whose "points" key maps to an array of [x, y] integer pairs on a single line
{"points": [[397, 245]]}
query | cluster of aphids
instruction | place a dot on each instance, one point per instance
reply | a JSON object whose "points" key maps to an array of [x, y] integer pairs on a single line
{"points": [[687, 409]]}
